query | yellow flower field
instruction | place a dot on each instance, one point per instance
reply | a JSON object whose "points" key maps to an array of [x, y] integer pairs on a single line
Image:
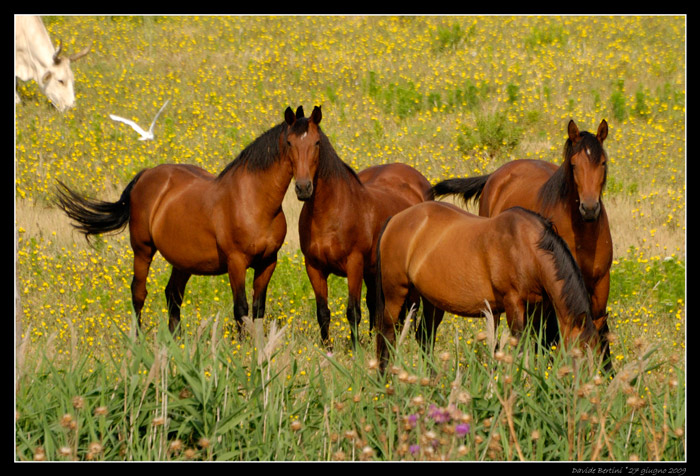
{"points": [[409, 89]]}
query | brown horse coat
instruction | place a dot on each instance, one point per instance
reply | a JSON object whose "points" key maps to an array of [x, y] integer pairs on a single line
{"points": [[461, 262], [342, 215], [569, 195], [201, 223]]}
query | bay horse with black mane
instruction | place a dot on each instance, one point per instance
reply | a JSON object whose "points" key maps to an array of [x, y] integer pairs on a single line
{"points": [[201, 223], [458, 262], [342, 215], [570, 196]]}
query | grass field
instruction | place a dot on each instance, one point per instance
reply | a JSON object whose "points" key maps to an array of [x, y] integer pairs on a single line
{"points": [[451, 96]]}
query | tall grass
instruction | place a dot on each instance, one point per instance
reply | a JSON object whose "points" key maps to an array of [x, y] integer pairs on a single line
{"points": [[187, 398]]}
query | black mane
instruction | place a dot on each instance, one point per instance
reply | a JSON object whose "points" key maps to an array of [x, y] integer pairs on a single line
{"points": [[576, 297], [260, 154], [330, 165], [561, 183]]}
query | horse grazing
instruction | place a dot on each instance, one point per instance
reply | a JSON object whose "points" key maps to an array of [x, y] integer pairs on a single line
{"points": [[201, 223], [457, 262], [342, 215], [570, 196]]}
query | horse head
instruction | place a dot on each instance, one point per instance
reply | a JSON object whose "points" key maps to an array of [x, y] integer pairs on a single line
{"points": [[303, 145], [588, 163]]}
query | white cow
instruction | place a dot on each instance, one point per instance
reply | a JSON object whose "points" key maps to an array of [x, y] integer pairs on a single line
{"points": [[36, 58]]}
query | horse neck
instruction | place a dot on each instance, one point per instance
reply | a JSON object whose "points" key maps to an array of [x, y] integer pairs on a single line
{"points": [[331, 191], [259, 189]]}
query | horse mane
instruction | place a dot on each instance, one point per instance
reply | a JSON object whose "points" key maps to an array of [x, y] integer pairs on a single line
{"points": [[259, 154], [561, 183], [330, 165], [576, 297]]}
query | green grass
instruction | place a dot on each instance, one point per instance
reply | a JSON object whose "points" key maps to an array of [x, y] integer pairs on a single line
{"points": [[200, 397]]}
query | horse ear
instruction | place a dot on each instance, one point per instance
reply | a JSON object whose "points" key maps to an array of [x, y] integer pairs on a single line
{"points": [[300, 112], [573, 131], [316, 115], [289, 116], [602, 131]]}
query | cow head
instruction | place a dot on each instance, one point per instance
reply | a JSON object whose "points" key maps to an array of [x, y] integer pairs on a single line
{"points": [[57, 80]]}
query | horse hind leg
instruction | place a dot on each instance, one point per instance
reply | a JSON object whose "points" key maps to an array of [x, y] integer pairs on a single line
{"points": [[427, 329], [143, 255], [174, 292]]}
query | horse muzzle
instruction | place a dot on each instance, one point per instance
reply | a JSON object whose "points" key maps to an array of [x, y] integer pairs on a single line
{"points": [[589, 210], [304, 189]]}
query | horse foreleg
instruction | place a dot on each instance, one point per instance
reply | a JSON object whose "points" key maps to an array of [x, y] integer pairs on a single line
{"points": [[599, 302], [515, 313], [319, 283], [174, 292], [371, 298], [394, 306], [236, 275], [355, 273], [261, 278]]}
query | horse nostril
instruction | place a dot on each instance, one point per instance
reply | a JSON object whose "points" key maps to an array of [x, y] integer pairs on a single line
{"points": [[304, 190], [589, 212]]}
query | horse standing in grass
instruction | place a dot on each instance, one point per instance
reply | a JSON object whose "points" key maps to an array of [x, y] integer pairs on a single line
{"points": [[201, 223], [570, 196], [457, 262], [342, 215]]}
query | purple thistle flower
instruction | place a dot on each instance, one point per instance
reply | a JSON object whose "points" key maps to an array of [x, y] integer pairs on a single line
{"points": [[412, 419], [439, 415], [414, 449], [462, 429]]}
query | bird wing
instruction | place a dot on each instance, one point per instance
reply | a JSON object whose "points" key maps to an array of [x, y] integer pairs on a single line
{"points": [[135, 126], [158, 114]]}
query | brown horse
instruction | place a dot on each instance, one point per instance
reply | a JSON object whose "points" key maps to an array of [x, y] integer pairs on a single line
{"points": [[201, 223], [457, 262], [570, 196], [342, 215]]}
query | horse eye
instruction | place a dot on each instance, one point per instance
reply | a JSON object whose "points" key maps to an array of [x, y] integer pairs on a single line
{"points": [[289, 144], [318, 143]]}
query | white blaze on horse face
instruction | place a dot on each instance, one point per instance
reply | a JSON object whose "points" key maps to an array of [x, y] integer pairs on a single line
{"points": [[303, 135]]}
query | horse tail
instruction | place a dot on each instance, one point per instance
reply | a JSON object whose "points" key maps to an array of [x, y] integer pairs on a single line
{"points": [[575, 296], [469, 188], [94, 217]]}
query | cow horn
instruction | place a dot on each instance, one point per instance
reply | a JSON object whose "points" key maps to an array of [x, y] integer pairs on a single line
{"points": [[80, 54], [56, 59]]}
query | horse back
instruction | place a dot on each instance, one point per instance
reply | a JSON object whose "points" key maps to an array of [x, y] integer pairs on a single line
{"points": [[515, 184], [399, 179], [172, 208]]}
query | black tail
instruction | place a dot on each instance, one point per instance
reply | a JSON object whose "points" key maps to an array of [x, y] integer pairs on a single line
{"points": [[469, 188], [94, 217]]}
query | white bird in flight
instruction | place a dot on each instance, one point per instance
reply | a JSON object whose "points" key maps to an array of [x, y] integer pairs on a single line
{"points": [[145, 135]]}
